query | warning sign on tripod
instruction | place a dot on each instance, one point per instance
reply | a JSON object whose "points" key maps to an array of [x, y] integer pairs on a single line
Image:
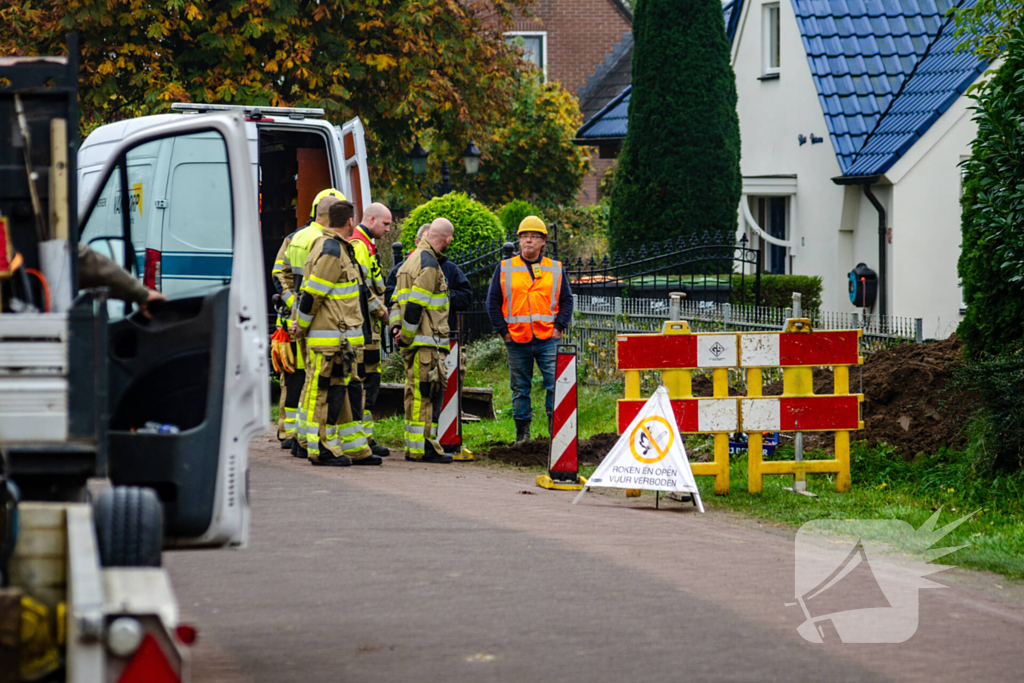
{"points": [[649, 455]]}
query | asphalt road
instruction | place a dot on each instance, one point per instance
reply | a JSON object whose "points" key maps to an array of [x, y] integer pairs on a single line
{"points": [[468, 572]]}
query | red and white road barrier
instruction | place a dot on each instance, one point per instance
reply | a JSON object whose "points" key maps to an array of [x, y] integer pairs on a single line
{"points": [[675, 351], [788, 349], [693, 415], [449, 424], [562, 462], [801, 414]]}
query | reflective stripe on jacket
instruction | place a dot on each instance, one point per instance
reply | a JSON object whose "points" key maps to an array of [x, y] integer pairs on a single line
{"points": [[530, 304], [329, 311], [295, 254], [373, 277], [420, 303]]}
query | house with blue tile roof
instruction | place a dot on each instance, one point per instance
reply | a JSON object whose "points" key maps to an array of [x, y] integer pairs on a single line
{"points": [[853, 123]]}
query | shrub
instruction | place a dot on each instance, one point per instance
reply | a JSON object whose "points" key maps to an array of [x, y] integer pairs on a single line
{"points": [[679, 170], [992, 253], [582, 231], [486, 354], [997, 430], [777, 291], [474, 222], [513, 213]]}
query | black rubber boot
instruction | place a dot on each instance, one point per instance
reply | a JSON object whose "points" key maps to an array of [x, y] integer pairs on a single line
{"points": [[298, 451], [369, 460], [522, 431], [286, 444], [437, 458], [380, 451], [339, 461], [551, 426]]}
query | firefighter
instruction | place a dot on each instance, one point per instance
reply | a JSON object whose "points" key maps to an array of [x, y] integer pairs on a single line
{"points": [[330, 319], [419, 324], [530, 306], [287, 277], [376, 222]]}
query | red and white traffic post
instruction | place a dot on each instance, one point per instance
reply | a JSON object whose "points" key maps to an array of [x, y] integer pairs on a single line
{"points": [[449, 424], [563, 463]]}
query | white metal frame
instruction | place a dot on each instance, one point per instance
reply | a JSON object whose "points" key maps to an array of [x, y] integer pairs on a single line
{"points": [[770, 25], [543, 35]]}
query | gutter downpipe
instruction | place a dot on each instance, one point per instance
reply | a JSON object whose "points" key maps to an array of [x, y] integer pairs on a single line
{"points": [[883, 304], [866, 182]]}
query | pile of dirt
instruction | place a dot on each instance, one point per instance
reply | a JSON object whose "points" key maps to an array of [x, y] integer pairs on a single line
{"points": [[908, 402], [534, 453]]}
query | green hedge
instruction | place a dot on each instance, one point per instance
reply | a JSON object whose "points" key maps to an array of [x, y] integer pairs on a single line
{"points": [[513, 213], [777, 290], [473, 221], [992, 246], [679, 169]]}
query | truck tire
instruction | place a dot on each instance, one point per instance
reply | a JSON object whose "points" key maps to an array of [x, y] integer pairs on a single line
{"points": [[129, 527]]}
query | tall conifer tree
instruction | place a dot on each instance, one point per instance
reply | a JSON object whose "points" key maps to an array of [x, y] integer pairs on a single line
{"points": [[679, 170]]}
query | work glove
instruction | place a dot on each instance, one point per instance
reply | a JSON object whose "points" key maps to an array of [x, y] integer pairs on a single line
{"points": [[281, 354]]}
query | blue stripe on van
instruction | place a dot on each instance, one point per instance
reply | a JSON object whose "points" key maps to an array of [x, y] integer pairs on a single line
{"points": [[195, 265]]}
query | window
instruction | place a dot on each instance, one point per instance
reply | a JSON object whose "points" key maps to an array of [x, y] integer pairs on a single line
{"points": [[535, 48], [770, 61], [771, 216]]}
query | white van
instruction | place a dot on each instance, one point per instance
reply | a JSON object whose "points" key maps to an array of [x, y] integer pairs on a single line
{"points": [[182, 243]]}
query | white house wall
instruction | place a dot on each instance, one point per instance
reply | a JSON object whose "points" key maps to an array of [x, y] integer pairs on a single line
{"points": [[925, 224], [773, 113]]}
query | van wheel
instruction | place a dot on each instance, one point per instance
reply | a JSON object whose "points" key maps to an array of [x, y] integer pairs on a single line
{"points": [[129, 527]]}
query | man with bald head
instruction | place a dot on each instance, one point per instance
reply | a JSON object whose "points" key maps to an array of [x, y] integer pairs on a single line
{"points": [[419, 324], [366, 369]]}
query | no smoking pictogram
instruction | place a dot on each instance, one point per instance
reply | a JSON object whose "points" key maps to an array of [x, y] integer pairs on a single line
{"points": [[651, 439]]}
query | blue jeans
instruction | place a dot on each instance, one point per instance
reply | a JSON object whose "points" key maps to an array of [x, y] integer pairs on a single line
{"points": [[520, 362]]}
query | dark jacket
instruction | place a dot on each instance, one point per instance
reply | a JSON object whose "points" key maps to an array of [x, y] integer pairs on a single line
{"points": [[96, 270], [460, 294], [495, 298]]}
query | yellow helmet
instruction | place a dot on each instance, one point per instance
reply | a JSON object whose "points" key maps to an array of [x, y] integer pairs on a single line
{"points": [[329, 192], [532, 224]]}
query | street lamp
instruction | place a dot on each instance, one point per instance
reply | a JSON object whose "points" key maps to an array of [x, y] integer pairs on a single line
{"points": [[418, 160]]}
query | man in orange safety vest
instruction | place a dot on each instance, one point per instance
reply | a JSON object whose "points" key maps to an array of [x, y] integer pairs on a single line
{"points": [[530, 306]]}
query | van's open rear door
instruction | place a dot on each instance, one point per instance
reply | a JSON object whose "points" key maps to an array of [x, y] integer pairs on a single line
{"points": [[355, 174], [199, 365]]}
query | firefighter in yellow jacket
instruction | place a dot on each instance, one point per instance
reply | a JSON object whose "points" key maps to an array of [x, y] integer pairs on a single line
{"points": [[419, 324], [287, 277], [376, 221], [331, 318]]}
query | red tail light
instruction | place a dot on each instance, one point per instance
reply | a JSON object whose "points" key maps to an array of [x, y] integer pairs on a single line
{"points": [[151, 270], [149, 665]]}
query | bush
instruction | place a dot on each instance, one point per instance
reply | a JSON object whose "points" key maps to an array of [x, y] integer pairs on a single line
{"points": [[474, 222], [486, 354], [997, 430], [679, 170], [512, 214], [582, 231], [992, 253], [777, 291]]}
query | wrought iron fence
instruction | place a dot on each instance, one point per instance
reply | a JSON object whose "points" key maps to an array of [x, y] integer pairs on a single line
{"points": [[598, 319], [705, 267]]}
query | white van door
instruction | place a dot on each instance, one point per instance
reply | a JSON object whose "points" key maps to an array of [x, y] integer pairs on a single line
{"points": [[199, 366], [355, 174]]}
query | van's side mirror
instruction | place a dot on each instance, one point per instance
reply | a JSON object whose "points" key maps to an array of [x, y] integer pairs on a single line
{"points": [[114, 248]]}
